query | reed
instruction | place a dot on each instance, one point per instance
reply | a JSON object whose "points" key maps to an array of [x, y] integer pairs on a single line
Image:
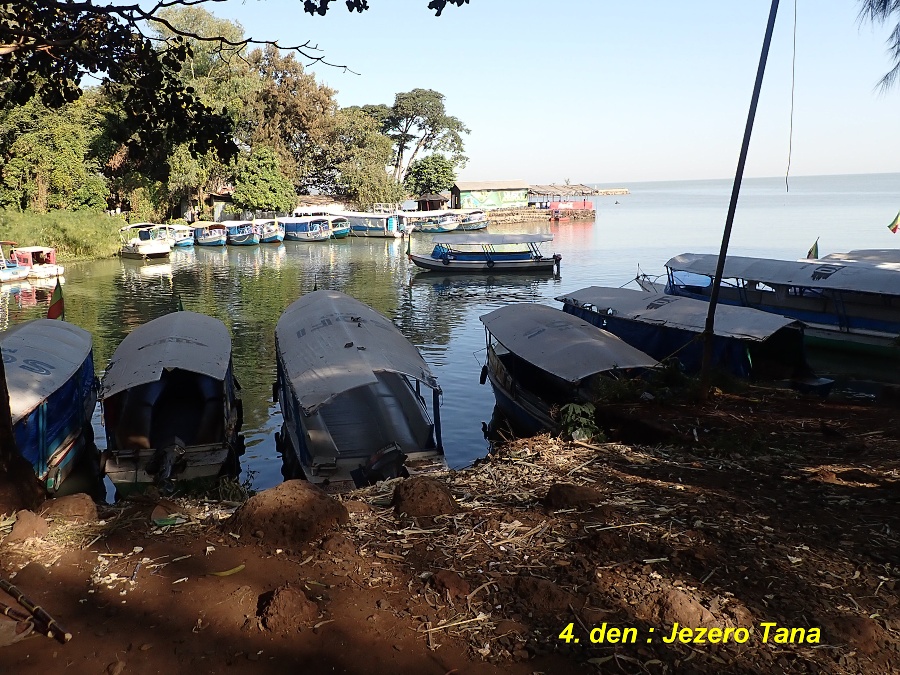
{"points": [[76, 235]]}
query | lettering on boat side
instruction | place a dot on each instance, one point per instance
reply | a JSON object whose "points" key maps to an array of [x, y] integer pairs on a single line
{"points": [[183, 340], [331, 319], [31, 365], [825, 271], [767, 632]]}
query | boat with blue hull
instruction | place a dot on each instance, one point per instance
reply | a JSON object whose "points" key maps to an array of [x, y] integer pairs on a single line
{"points": [[748, 343], [540, 358], [271, 231], [180, 235], [845, 304], [339, 226], [306, 228], [171, 405], [493, 253], [350, 387], [49, 368], [210, 234], [476, 220], [383, 225], [242, 233], [445, 223], [10, 270]]}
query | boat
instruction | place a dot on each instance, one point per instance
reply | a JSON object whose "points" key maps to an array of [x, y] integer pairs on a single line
{"points": [[143, 241], [475, 220], [748, 343], [40, 261], [306, 228], [339, 226], [9, 267], [350, 388], [559, 216], [171, 405], [386, 225], [445, 223], [242, 233], [210, 234], [489, 253], [180, 235], [540, 358], [52, 394], [271, 231], [847, 305]]}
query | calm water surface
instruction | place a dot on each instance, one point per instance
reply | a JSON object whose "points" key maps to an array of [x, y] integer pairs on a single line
{"points": [[249, 287]]}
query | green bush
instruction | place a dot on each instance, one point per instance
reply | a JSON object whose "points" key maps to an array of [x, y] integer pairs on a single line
{"points": [[74, 234]]}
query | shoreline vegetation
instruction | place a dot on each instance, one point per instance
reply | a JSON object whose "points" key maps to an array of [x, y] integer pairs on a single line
{"points": [[763, 517], [76, 235]]}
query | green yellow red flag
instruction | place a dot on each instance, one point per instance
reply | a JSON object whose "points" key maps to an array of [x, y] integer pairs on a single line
{"points": [[895, 224], [813, 250], [57, 308]]}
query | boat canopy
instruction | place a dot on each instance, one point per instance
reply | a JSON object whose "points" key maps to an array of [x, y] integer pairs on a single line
{"points": [[137, 226], [559, 343], [34, 249], [820, 274], [330, 343], [39, 357], [493, 239], [674, 311], [185, 340], [871, 256]]}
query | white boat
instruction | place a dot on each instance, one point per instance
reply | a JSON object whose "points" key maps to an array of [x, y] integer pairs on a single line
{"points": [[39, 260], [210, 234], [9, 268], [349, 386], [493, 253], [306, 228], [179, 235], [384, 225], [142, 241], [171, 404]]}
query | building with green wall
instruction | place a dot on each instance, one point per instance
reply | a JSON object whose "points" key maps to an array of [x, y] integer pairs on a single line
{"points": [[495, 194]]}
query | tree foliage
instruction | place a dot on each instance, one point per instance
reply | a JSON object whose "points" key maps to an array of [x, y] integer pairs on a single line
{"points": [[883, 11], [430, 175], [259, 184]]}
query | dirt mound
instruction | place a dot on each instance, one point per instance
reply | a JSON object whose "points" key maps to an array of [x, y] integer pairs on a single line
{"points": [[677, 606], [290, 515], [423, 497], [543, 596], [450, 583], [27, 525], [79, 508], [566, 495], [339, 545], [286, 609]]}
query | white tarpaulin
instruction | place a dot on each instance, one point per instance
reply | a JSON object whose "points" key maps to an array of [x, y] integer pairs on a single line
{"points": [[560, 343], [193, 342], [831, 274], [677, 312], [330, 343], [39, 357]]}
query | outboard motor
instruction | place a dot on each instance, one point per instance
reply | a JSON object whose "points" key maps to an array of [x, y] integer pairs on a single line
{"points": [[385, 464]]}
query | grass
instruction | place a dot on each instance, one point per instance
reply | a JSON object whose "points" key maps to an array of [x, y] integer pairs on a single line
{"points": [[76, 235]]}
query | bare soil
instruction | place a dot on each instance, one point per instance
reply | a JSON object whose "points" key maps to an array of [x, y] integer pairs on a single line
{"points": [[759, 508]]}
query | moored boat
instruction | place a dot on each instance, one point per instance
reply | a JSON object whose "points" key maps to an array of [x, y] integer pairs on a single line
{"points": [[748, 343], [306, 228], [445, 223], [40, 261], [242, 233], [49, 368], [179, 235], [210, 234], [845, 304], [171, 404], [475, 220], [271, 231], [349, 387], [488, 253], [386, 225], [143, 241], [339, 226], [540, 358]]}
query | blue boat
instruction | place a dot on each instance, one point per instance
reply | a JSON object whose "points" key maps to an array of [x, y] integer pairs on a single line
{"points": [[210, 234], [385, 225], [339, 225], [748, 344], [476, 220], [438, 225], [52, 394], [242, 233], [540, 358], [306, 228], [179, 235], [271, 231]]}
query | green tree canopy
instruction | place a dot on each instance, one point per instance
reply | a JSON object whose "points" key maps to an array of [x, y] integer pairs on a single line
{"points": [[259, 184], [883, 11], [430, 175]]}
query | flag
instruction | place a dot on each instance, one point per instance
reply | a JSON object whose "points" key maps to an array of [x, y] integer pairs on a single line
{"points": [[57, 308], [895, 224], [814, 249]]}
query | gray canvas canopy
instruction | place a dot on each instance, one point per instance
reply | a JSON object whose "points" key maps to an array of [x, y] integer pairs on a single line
{"points": [[186, 340], [678, 312], [39, 357], [872, 256], [560, 343], [830, 274], [330, 343], [492, 239]]}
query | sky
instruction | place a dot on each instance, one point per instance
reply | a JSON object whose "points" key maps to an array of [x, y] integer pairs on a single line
{"points": [[606, 91]]}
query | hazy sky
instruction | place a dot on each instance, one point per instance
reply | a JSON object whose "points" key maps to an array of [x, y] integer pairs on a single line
{"points": [[612, 91]]}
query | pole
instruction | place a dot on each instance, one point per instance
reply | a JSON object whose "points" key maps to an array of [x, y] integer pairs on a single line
{"points": [[709, 328]]}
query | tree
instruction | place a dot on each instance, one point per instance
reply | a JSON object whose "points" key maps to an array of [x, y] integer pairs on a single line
{"points": [[260, 185], [881, 11], [430, 175], [419, 120]]}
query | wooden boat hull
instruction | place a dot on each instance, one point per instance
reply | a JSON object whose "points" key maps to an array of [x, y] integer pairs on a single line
{"points": [[471, 227], [494, 266], [321, 235], [212, 240], [527, 414], [340, 232], [145, 252], [249, 239], [276, 238]]}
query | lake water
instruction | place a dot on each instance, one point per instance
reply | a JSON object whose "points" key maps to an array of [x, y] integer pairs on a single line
{"points": [[248, 287]]}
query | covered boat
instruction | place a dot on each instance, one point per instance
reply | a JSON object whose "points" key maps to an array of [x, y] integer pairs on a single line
{"points": [[143, 241], [306, 228], [350, 388], [9, 267], [171, 404], [39, 260], [210, 234], [474, 220], [385, 225], [242, 233], [179, 235], [52, 394], [488, 253], [271, 231], [748, 343], [845, 304], [540, 358], [439, 223]]}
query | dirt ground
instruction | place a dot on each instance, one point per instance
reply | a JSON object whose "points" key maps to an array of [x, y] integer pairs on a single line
{"points": [[763, 508]]}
